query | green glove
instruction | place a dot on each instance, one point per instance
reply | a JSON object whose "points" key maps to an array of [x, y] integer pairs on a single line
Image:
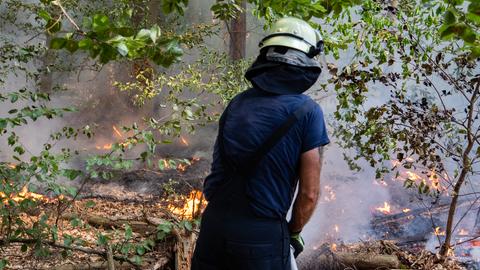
{"points": [[296, 241]]}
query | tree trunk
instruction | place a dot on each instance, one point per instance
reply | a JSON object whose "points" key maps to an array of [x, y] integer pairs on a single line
{"points": [[238, 35], [466, 165]]}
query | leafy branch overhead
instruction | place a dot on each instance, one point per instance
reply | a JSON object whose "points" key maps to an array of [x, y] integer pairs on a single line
{"points": [[462, 21], [108, 40]]}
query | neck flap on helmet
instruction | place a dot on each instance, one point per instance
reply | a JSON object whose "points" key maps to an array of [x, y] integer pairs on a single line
{"points": [[283, 71]]}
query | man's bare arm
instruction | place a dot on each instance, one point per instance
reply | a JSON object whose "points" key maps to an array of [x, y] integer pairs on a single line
{"points": [[308, 190]]}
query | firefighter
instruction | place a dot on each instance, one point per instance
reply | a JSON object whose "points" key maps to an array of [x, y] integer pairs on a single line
{"points": [[269, 141]]}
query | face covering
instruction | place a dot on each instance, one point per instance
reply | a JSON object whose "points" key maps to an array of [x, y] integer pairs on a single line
{"points": [[280, 77]]}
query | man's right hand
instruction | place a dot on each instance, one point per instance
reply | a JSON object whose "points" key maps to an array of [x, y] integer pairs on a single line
{"points": [[296, 241]]}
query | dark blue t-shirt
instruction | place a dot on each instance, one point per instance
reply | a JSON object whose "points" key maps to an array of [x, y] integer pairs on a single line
{"points": [[252, 117]]}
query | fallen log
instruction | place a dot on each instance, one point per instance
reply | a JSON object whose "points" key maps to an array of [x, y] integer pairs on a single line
{"points": [[90, 266], [328, 260], [99, 221]]}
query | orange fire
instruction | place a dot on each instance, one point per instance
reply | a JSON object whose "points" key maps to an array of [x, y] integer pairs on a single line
{"points": [[333, 247], [438, 231], [475, 243], [182, 167], [184, 141], [413, 176], [21, 196], [435, 182], [107, 146], [406, 210], [166, 164], [386, 209], [194, 205], [12, 166]]}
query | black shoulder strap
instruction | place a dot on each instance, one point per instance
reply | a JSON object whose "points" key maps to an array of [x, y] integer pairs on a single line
{"points": [[279, 133], [235, 180]]}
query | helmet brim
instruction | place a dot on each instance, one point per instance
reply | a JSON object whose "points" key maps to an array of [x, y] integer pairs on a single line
{"points": [[291, 57]]}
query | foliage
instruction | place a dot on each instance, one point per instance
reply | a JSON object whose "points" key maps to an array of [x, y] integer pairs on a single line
{"points": [[111, 40], [428, 119], [106, 38], [213, 80], [462, 21], [272, 10], [437, 64]]}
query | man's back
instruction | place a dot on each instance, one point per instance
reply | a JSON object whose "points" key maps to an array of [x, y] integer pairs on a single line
{"points": [[249, 192], [252, 117]]}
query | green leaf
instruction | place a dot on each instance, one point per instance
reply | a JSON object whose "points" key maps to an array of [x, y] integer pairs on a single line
{"points": [[449, 17], [473, 17], [188, 226], [102, 240], [469, 35], [75, 222], [126, 31], [140, 250], [100, 23], [128, 232], [71, 46], [85, 44], [44, 15], [3, 124], [137, 260], [122, 49], [71, 174], [57, 43], [20, 150], [90, 204], [3, 264], [155, 33], [143, 34]]}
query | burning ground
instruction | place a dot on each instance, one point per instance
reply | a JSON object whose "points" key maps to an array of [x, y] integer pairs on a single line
{"points": [[358, 212]]}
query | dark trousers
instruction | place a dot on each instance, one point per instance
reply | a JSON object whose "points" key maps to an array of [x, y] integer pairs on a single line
{"points": [[233, 238]]}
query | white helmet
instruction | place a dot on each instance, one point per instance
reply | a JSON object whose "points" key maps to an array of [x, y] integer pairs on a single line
{"points": [[296, 34]]}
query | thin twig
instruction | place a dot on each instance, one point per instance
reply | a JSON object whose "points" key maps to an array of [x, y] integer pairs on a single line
{"points": [[59, 4]]}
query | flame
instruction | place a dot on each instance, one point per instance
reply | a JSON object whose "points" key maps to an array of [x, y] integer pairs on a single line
{"points": [[107, 146], [336, 228], [413, 176], [475, 243], [435, 182], [333, 247], [182, 167], [166, 164], [395, 163], [438, 231], [386, 209], [194, 204], [22, 195], [184, 141], [117, 132], [463, 232], [406, 210], [11, 165]]}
